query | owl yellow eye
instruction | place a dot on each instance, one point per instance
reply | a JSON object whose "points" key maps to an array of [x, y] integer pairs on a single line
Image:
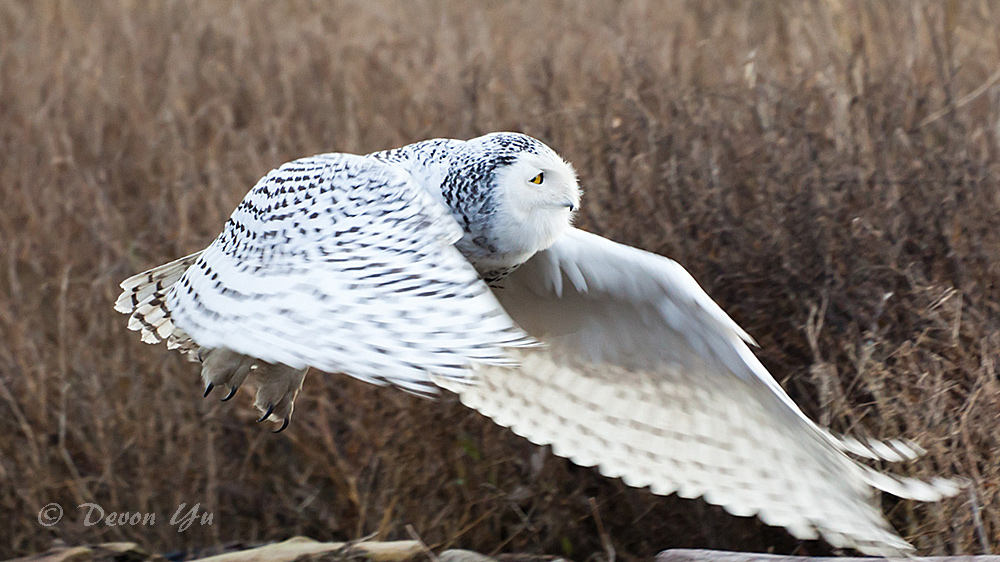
{"points": [[537, 179]]}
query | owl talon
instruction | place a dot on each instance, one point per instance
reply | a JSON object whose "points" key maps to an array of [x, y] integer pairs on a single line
{"points": [[270, 408], [279, 385], [225, 368], [232, 392]]}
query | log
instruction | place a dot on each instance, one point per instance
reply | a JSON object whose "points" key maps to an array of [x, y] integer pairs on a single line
{"points": [[107, 552], [297, 547], [457, 555], [60, 554]]}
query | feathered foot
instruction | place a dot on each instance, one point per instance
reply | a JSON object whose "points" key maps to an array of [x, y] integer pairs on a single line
{"points": [[279, 386], [224, 368]]}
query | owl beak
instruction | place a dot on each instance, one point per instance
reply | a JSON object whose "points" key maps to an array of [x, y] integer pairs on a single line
{"points": [[569, 204]]}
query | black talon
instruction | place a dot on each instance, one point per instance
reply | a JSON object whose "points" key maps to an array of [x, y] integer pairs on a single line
{"points": [[270, 408], [284, 424], [232, 392], [208, 389]]}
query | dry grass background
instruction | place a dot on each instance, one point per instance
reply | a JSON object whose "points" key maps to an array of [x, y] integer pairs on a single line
{"points": [[827, 170]]}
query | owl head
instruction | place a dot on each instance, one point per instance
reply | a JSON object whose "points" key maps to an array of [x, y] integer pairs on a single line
{"points": [[535, 192]]}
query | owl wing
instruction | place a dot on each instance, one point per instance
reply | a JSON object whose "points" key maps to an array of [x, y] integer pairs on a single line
{"points": [[338, 262], [645, 377]]}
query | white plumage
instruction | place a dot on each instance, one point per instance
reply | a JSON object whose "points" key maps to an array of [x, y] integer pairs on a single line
{"points": [[374, 266]]}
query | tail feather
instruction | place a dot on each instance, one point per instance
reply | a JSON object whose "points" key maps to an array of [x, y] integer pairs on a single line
{"points": [[140, 287], [143, 298]]}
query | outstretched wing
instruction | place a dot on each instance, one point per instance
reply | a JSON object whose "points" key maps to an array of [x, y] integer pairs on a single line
{"points": [[345, 264], [647, 378]]}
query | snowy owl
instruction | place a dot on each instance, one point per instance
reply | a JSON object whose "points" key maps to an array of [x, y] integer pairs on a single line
{"points": [[450, 264]]}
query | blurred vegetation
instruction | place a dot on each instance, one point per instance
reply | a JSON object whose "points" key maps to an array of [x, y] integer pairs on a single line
{"points": [[827, 170]]}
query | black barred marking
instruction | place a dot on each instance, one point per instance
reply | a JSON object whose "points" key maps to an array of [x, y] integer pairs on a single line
{"points": [[495, 276], [146, 326]]}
